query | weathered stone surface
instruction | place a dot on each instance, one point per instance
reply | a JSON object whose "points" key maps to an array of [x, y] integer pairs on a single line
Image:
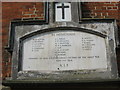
{"points": [[64, 50]]}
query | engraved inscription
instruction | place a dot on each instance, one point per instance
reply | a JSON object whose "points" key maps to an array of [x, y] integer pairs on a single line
{"points": [[64, 50]]}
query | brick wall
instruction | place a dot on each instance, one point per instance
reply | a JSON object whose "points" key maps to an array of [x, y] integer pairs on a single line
{"points": [[100, 10], [11, 11], [31, 10]]}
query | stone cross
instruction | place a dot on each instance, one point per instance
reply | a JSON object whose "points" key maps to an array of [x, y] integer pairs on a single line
{"points": [[63, 10]]}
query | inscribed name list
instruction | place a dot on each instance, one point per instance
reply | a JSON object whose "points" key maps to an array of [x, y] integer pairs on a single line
{"points": [[64, 50]]}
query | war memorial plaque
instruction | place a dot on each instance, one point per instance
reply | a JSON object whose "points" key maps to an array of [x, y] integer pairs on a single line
{"points": [[64, 50]]}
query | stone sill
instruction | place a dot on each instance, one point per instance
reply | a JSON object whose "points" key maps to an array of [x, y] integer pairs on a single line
{"points": [[33, 84], [47, 81]]}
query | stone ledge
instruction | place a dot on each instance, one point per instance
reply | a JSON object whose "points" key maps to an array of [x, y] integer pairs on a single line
{"points": [[31, 83], [4, 87]]}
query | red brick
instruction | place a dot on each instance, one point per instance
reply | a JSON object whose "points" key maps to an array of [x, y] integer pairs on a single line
{"points": [[103, 8], [33, 16], [26, 16], [109, 7], [28, 12], [40, 15], [115, 8], [32, 9], [39, 5]]}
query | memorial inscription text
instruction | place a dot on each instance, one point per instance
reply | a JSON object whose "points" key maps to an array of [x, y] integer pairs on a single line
{"points": [[64, 50]]}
